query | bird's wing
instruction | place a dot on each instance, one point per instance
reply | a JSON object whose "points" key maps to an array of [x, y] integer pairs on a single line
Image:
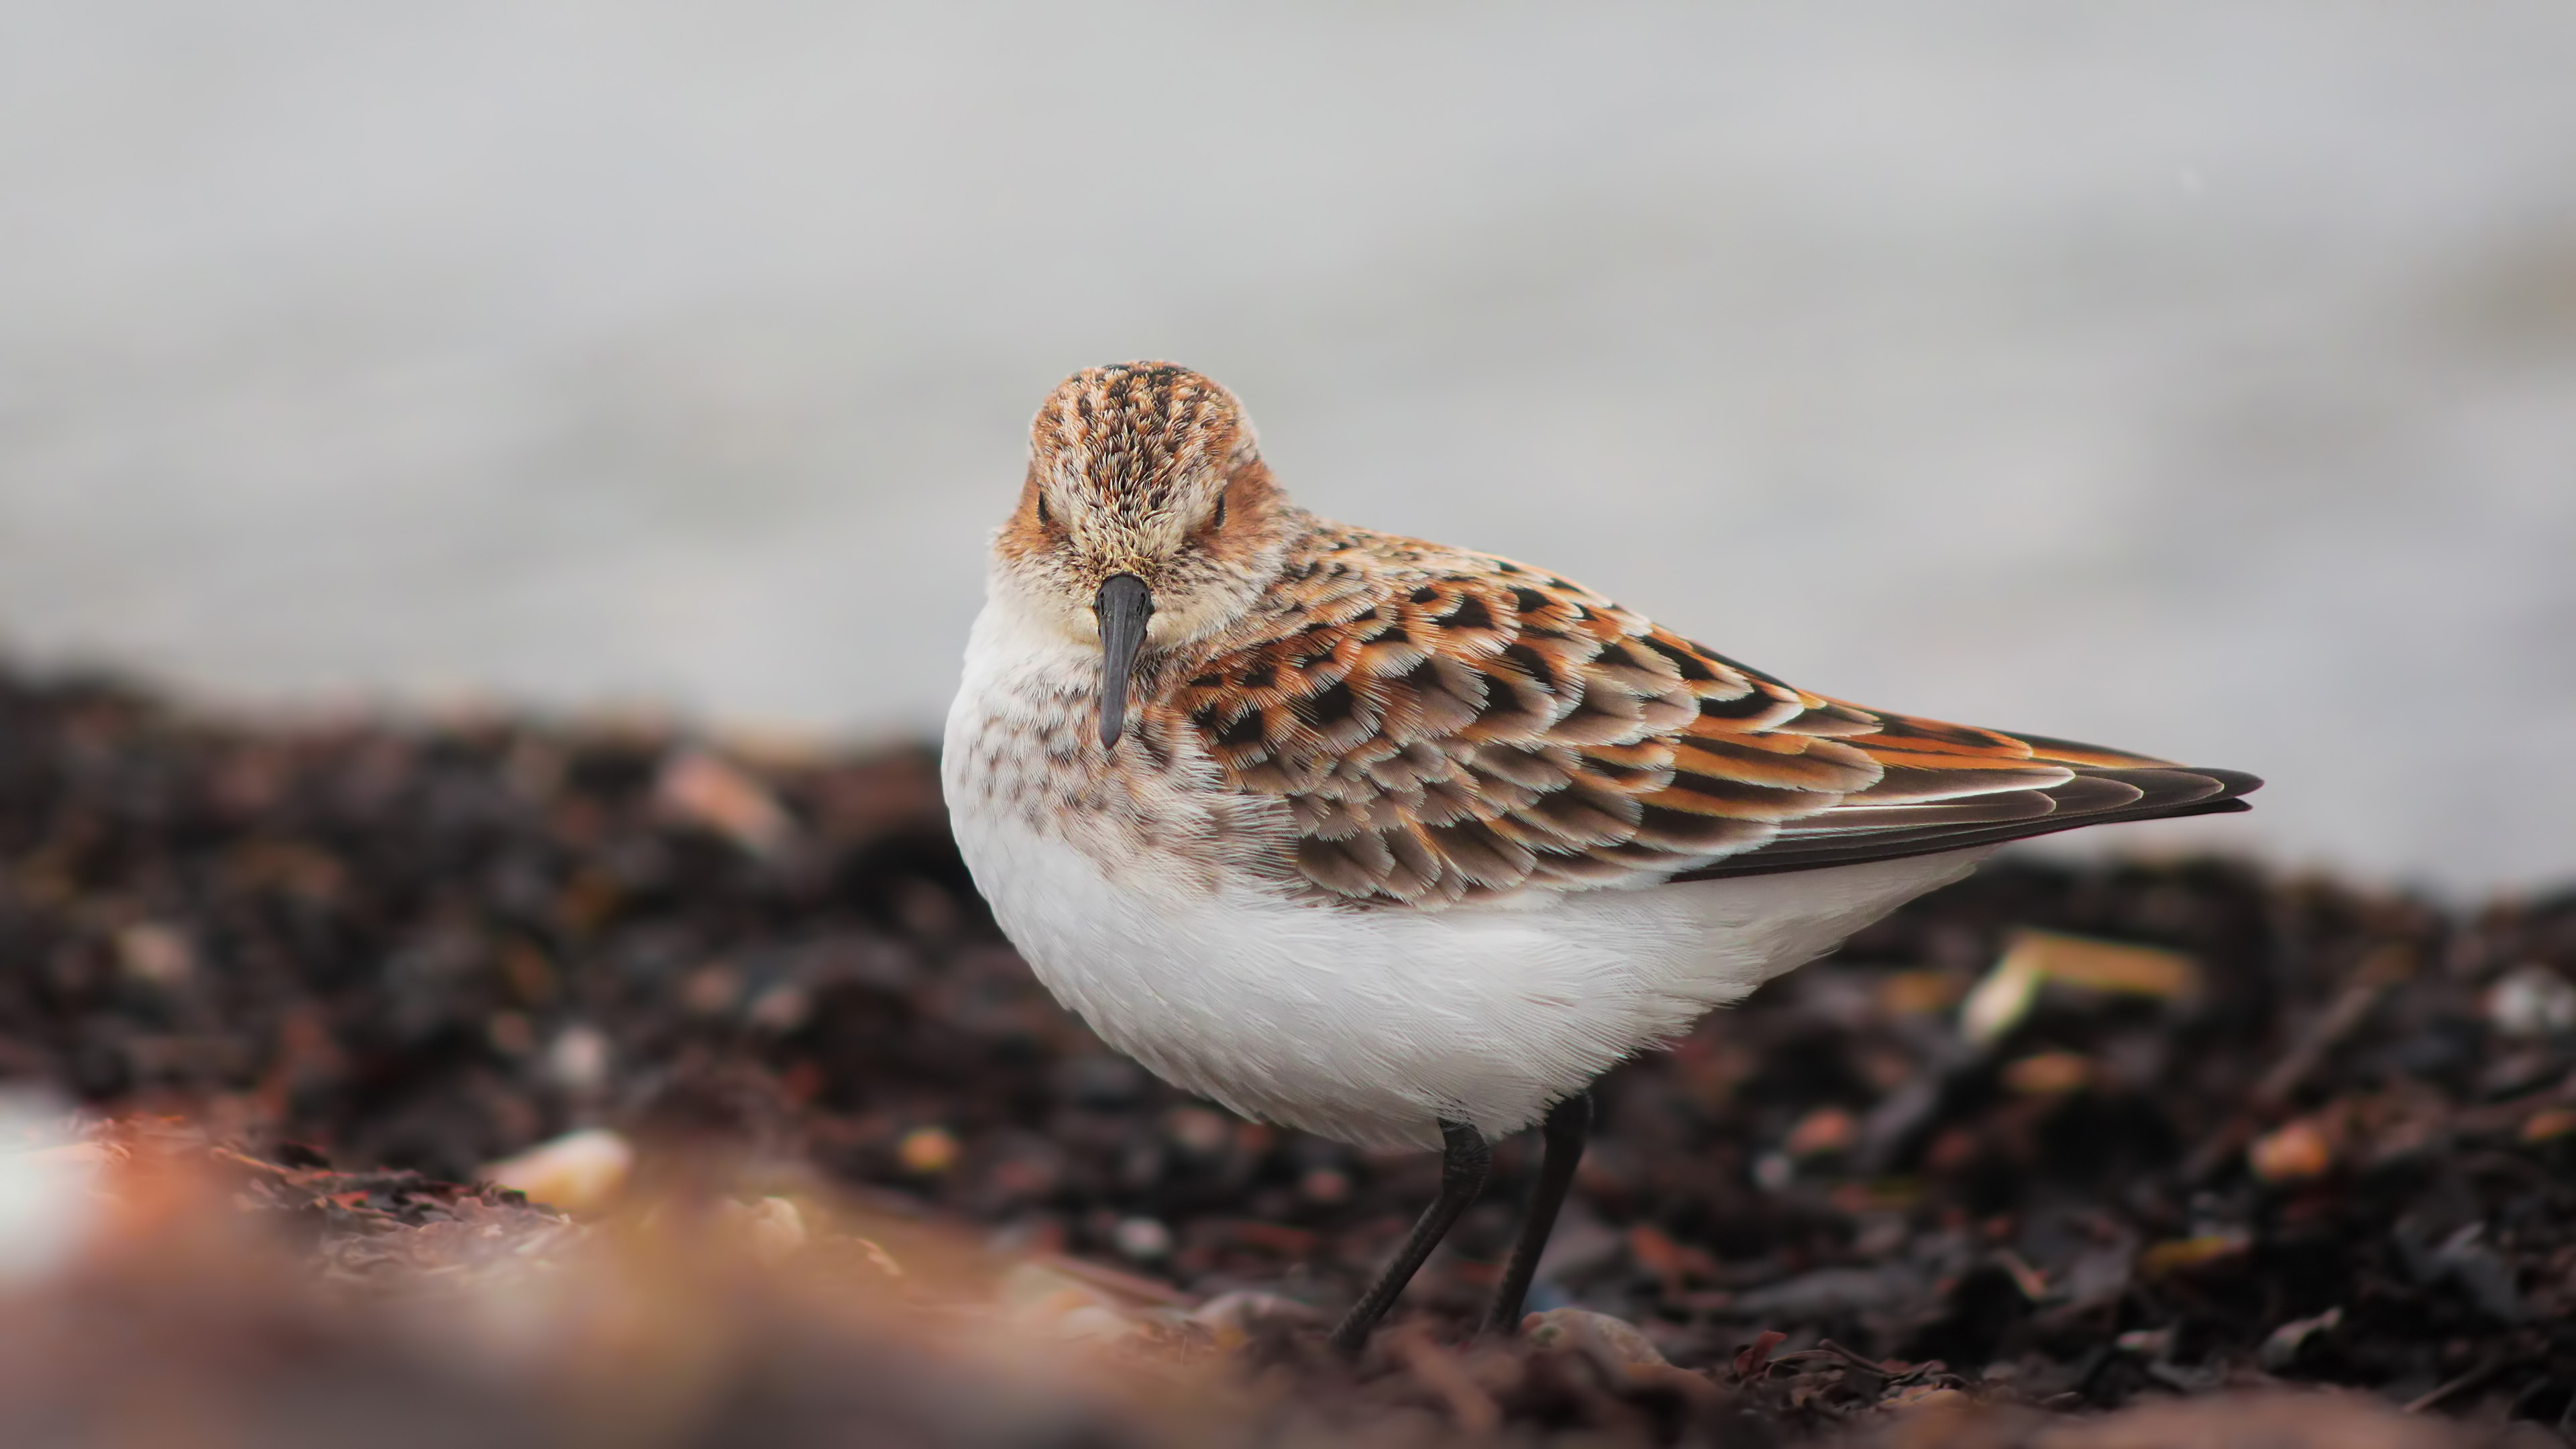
{"points": [[1448, 727]]}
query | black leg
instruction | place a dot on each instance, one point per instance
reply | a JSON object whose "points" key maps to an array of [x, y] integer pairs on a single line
{"points": [[1567, 1122], [1463, 1160]]}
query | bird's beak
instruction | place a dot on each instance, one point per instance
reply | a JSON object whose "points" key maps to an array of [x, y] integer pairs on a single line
{"points": [[1122, 606]]}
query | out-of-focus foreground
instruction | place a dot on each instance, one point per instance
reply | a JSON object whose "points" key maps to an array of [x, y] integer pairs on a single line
{"points": [[2055, 1141]]}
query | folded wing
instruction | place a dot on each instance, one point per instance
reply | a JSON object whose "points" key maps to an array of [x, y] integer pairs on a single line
{"points": [[1449, 727]]}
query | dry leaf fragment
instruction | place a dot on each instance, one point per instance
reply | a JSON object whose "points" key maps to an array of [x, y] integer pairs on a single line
{"points": [[2181, 1254], [579, 1172], [2049, 1074], [927, 1151], [2296, 1152], [2032, 959], [705, 790], [1825, 1130]]}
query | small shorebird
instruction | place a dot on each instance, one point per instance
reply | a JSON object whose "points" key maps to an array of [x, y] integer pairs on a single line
{"points": [[1403, 844]]}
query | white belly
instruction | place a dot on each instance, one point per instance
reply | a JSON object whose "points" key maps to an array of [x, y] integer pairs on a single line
{"points": [[1366, 1025], [1372, 1025]]}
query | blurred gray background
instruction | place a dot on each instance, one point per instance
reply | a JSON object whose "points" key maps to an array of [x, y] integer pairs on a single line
{"points": [[2191, 375]]}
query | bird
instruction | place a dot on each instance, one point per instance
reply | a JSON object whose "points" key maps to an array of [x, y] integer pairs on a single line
{"points": [[1405, 844]]}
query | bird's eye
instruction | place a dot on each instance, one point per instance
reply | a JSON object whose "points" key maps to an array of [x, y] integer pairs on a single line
{"points": [[1045, 519], [1217, 519]]}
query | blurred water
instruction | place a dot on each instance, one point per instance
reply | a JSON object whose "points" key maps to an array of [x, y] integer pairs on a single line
{"points": [[2198, 377]]}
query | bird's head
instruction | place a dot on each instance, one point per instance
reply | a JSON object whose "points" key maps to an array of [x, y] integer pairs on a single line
{"points": [[1148, 519]]}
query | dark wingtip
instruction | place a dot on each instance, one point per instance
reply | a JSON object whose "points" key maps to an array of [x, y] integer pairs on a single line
{"points": [[2237, 782], [2167, 792]]}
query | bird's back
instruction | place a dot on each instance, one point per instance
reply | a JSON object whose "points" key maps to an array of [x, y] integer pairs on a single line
{"points": [[1447, 726]]}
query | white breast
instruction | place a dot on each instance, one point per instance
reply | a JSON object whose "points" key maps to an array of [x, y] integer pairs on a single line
{"points": [[1367, 1025]]}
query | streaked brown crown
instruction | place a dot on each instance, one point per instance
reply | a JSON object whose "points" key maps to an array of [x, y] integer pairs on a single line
{"points": [[1149, 469], [1138, 439]]}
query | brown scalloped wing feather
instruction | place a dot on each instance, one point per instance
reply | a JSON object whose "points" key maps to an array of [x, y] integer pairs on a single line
{"points": [[1448, 727]]}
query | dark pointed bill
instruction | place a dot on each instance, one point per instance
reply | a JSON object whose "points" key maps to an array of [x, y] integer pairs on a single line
{"points": [[1122, 606]]}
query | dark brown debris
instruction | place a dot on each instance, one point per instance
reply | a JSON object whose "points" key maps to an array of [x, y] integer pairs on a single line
{"points": [[373, 956]]}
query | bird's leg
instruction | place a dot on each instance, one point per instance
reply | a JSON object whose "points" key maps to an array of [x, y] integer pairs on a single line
{"points": [[1463, 1160], [1567, 1123]]}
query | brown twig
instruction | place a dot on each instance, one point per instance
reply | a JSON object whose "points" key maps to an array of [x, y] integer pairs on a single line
{"points": [[2379, 973], [2466, 1381]]}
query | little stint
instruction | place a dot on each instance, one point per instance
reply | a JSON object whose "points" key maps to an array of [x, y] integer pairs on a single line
{"points": [[1404, 844]]}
